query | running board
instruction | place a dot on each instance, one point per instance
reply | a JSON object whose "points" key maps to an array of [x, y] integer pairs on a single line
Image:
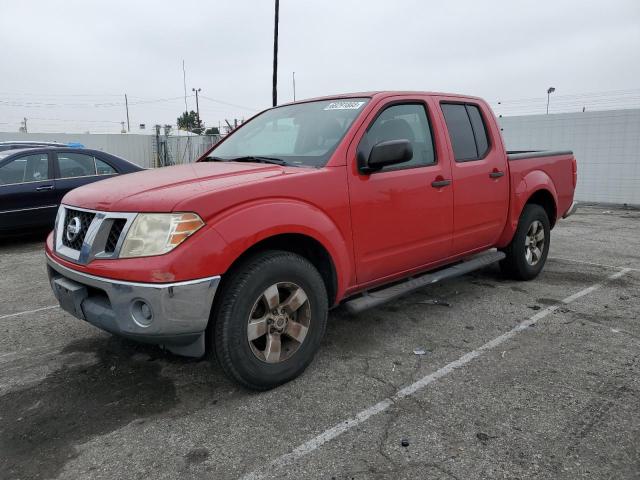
{"points": [[378, 297]]}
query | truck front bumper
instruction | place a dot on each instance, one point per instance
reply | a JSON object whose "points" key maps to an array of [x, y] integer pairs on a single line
{"points": [[174, 315]]}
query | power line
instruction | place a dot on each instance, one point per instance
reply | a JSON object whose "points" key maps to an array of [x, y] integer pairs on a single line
{"points": [[229, 104]]}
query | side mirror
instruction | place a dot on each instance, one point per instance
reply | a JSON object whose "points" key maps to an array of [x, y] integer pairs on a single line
{"points": [[386, 153]]}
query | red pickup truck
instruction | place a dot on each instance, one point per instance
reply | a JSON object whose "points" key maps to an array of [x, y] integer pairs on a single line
{"points": [[350, 199]]}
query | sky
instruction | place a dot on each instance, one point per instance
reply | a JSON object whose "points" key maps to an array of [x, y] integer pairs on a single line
{"points": [[66, 65]]}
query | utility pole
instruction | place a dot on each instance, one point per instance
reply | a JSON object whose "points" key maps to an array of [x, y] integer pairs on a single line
{"points": [[184, 84], [197, 105], [294, 86], [550, 90], [275, 55], [126, 103]]}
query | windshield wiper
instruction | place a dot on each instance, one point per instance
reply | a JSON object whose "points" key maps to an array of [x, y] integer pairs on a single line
{"points": [[251, 158]]}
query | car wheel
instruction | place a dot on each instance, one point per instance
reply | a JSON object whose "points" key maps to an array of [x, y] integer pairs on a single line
{"points": [[270, 319], [527, 252]]}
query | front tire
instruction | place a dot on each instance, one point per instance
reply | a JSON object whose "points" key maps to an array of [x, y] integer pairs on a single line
{"points": [[528, 250], [270, 319]]}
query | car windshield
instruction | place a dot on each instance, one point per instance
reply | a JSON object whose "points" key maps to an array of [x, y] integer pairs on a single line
{"points": [[304, 134]]}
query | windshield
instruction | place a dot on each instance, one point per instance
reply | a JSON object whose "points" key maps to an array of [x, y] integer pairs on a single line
{"points": [[304, 134]]}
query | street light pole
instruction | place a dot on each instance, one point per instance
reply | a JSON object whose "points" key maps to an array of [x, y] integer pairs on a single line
{"points": [[197, 105], [294, 86], [550, 90], [275, 56]]}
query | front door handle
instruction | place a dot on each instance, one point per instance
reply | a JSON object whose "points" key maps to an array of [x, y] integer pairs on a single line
{"points": [[496, 174], [440, 183], [44, 188]]}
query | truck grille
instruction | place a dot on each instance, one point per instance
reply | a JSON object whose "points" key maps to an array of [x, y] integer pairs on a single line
{"points": [[114, 235], [84, 219], [99, 231]]}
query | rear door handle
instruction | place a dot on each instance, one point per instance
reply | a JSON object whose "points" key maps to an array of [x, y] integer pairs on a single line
{"points": [[440, 183], [44, 188], [496, 174]]}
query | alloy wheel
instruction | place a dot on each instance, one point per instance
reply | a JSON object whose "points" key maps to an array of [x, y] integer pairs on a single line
{"points": [[279, 322], [534, 242]]}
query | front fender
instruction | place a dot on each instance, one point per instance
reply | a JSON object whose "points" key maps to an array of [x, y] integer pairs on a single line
{"points": [[247, 224], [522, 190]]}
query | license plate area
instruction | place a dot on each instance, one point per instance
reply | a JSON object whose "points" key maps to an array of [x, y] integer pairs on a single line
{"points": [[70, 294]]}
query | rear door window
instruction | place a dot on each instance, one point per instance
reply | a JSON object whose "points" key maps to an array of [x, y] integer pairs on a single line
{"points": [[479, 130], [30, 168], [460, 131], [467, 131], [73, 165]]}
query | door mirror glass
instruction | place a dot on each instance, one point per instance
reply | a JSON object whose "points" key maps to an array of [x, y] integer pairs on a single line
{"points": [[387, 153]]}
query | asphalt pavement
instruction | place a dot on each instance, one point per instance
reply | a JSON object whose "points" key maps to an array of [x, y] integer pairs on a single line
{"points": [[478, 377]]}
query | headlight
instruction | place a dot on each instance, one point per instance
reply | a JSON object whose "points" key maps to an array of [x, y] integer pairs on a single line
{"points": [[158, 233]]}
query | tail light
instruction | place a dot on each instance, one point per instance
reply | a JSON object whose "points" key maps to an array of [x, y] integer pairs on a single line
{"points": [[574, 170]]}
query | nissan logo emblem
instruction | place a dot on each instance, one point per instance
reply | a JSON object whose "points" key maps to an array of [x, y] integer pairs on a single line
{"points": [[73, 229]]}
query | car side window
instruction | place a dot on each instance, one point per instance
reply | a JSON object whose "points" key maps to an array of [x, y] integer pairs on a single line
{"points": [[467, 131], [76, 165], [479, 130], [103, 168], [402, 122], [30, 168]]}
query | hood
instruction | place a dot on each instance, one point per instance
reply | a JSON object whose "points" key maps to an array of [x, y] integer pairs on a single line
{"points": [[159, 190]]}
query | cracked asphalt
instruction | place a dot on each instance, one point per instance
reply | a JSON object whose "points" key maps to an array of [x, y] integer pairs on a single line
{"points": [[558, 400]]}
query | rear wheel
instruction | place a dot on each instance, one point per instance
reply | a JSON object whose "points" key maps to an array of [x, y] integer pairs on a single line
{"points": [[527, 252], [270, 320]]}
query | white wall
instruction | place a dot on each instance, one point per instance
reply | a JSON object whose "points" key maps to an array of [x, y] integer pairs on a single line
{"points": [[139, 149], [606, 145]]}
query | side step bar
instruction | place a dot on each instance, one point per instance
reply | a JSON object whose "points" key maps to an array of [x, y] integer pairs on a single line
{"points": [[378, 297]]}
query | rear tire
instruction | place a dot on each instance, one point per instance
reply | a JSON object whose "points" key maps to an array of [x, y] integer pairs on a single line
{"points": [[528, 250], [270, 319]]}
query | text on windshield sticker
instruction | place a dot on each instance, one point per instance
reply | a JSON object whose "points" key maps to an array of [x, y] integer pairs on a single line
{"points": [[344, 105]]}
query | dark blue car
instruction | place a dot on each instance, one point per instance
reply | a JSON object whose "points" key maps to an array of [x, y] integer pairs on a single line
{"points": [[34, 180]]}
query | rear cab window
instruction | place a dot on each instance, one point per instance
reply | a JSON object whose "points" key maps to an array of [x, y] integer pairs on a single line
{"points": [[467, 131]]}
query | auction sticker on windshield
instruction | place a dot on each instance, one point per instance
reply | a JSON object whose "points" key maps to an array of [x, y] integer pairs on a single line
{"points": [[344, 105]]}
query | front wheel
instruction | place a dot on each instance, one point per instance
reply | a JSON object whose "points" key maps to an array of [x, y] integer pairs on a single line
{"points": [[528, 250], [270, 319]]}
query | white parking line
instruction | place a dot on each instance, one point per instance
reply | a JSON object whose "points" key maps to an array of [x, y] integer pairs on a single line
{"points": [[28, 311], [381, 406], [604, 265]]}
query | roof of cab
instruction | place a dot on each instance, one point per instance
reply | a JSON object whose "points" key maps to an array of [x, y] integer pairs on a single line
{"points": [[381, 94]]}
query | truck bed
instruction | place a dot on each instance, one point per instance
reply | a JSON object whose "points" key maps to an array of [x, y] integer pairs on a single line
{"points": [[522, 154], [555, 169]]}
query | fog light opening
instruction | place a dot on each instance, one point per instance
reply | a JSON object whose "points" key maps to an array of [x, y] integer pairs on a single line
{"points": [[142, 313]]}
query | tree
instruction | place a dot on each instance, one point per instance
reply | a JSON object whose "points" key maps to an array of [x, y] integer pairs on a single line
{"points": [[189, 121]]}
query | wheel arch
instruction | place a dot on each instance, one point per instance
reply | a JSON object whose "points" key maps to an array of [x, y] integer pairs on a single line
{"points": [[534, 188], [288, 225], [300, 244], [546, 200]]}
